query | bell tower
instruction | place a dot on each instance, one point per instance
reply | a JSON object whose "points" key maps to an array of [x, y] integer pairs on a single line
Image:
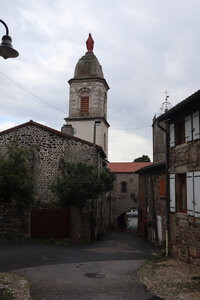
{"points": [[88, 100]]}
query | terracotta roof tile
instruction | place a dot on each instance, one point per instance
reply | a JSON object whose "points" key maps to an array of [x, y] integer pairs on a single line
{"points": [[127, 167]]}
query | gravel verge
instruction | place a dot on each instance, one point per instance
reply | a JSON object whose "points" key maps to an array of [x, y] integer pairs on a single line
{"points": [[171, 279], [14, 287]]}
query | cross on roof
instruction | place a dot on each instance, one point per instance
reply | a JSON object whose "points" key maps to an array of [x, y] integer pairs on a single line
{"points": [[167, 94]]}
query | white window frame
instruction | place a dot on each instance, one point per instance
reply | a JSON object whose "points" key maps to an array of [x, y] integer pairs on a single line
{"points": [[193, 193], [197, 194], [196, 125], [190, 193], [172, 135], [188, 128]]}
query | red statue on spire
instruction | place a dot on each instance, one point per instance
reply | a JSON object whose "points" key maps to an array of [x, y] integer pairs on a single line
{"points": [[90, 43]]}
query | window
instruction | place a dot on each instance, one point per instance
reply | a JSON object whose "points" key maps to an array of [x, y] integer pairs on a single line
{"points": [[185, 130], [123, 186], [84, 102], [181, 193], [180, 132], [162, 188], [184, 193]]}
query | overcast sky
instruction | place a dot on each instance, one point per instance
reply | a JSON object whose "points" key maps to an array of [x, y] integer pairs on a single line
{"points": [[144, 47]]}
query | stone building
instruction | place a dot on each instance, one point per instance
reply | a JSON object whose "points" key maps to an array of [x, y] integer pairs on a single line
{"points": [[151, 196], [53, 147], [84, 137], [151, 202], [125, 192], [88, 102], [184, 175], [170, 198]]}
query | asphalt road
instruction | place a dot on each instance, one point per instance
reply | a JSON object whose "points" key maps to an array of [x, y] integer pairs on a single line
{"points": [[102, 270]]}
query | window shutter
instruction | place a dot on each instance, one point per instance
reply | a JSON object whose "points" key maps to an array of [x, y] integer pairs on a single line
{"points": [[84, 104], [172, 136], [162, 188], [190, 194], [196, 129], [197, 193], [172, 193], [188, 128]]}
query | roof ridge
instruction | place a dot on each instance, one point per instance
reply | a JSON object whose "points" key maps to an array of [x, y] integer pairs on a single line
{"points": [[31, 122]]}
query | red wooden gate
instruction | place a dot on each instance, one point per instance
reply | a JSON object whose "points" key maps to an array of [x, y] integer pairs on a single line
{"points": [[50, 222]]}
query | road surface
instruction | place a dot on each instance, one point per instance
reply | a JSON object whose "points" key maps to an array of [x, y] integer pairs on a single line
{"points": [[102, 270]]}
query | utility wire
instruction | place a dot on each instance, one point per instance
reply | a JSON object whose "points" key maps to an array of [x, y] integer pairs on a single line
{"points": [[53, 106], [33, 95], [128, 129]]}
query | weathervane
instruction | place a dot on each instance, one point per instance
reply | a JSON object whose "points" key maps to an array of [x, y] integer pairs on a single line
{"points": [[165, 105], [166, 93]]}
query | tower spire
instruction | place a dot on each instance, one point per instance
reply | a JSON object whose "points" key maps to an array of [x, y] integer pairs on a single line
{"points": [[90, 43]]}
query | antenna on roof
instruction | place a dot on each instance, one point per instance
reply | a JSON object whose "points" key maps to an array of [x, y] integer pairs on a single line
{"points": [[165, 105]]}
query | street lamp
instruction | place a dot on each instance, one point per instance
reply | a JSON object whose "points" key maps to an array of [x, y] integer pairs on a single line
{"points": [[6, 49]]}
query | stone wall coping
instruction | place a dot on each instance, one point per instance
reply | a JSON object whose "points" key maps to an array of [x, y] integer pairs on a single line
{"points": [[181, 146], [82, 119], [91, 79], [182, 216]]}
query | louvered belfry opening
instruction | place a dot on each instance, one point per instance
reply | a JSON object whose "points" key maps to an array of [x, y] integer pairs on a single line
{"points": [[85, 102]]}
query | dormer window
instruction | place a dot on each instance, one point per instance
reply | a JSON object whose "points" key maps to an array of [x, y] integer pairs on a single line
{"points": [[85, 102]]}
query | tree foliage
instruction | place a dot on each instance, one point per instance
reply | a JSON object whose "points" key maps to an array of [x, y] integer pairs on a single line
{"points": [[143, 158], [16, 184], [79, 184]]}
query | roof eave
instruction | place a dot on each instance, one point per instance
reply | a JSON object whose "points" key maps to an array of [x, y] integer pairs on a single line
{"points": [[192, 102]]}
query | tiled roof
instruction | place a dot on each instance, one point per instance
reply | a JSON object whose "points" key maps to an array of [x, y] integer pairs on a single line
{"points": [[127, 167], [59, 133], [155, 165]]}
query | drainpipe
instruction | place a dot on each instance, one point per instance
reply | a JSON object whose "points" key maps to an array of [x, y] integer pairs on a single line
{"points": [[153, 208], [166, 186]]}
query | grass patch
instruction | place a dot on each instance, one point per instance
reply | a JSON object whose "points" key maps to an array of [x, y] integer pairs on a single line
{"points": [[153, 263], [6, 295]]}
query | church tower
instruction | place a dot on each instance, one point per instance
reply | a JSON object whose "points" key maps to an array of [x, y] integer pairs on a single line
{"points": [[88, 100]]}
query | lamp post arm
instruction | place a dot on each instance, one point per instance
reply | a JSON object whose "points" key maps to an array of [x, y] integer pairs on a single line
{"points": [[7, 30]]}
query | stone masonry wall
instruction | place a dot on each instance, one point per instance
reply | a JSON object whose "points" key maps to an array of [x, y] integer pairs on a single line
{"points": [[80, 225], [97, 97], [145, 205], [185, 230], [52, 148], [185, 157], [158, 142], [14, 222], [185, 237], [123, 201]]}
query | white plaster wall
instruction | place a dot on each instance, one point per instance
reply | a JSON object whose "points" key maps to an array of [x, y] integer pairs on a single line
{"points": [[85, 130]]}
